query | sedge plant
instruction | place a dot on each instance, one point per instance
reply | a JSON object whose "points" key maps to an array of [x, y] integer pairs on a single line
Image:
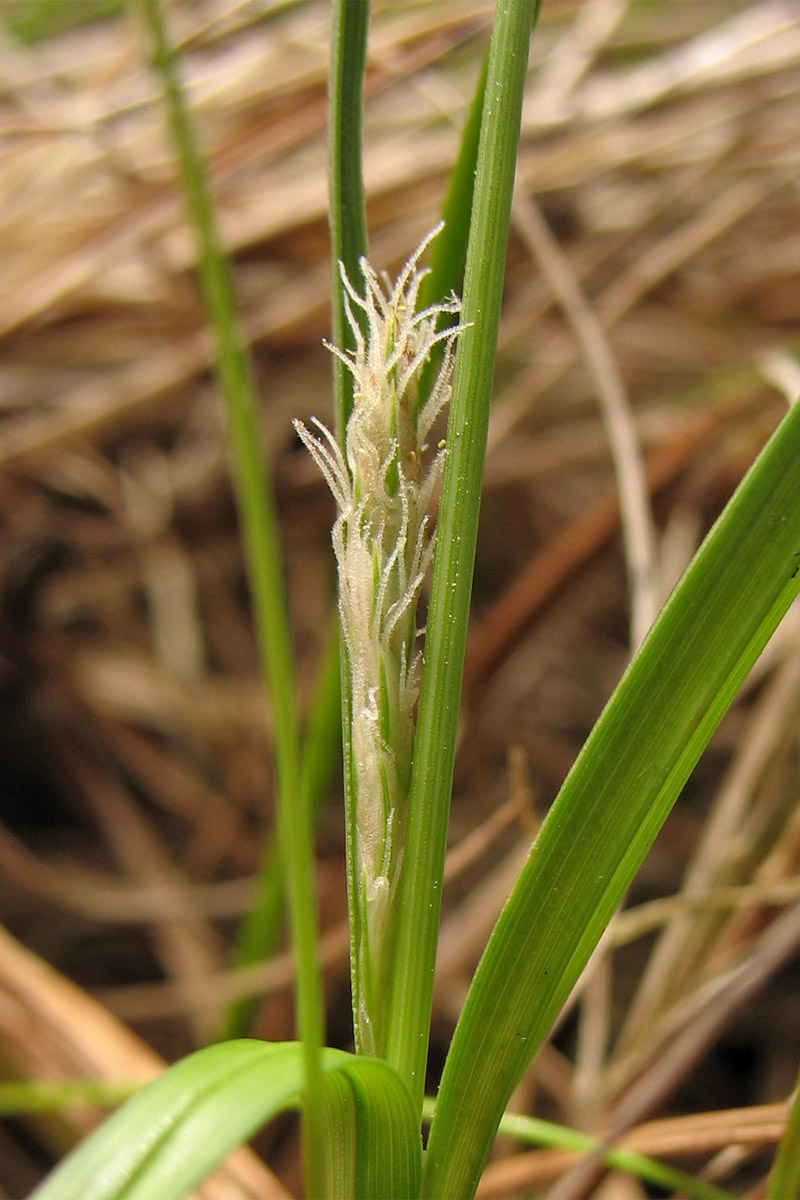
{"points": [[364, 1110], [383, 546]]}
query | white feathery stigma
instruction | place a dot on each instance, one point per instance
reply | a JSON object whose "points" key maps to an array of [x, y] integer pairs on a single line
{"points": [[383, 542]]}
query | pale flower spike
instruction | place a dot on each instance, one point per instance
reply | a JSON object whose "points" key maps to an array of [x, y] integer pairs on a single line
{"points": [[383, 543]]}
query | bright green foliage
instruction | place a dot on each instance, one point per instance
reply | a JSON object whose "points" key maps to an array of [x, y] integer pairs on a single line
{"points": [[448, 610], [346, 211], [174, 1131], [615, 800]]}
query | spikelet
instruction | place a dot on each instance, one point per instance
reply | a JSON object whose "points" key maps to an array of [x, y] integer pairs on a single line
{"points": [[383, 543]]}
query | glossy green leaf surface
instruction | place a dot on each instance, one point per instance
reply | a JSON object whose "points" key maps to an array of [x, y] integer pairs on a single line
{"points": [[168, 1136], [615, 800]]}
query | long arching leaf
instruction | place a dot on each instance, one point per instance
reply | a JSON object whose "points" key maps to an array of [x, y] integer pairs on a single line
{"points": [[168, 1136], [615, 800]]}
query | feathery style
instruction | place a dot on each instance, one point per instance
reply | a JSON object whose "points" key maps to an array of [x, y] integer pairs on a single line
{"points": [[383, 542]]}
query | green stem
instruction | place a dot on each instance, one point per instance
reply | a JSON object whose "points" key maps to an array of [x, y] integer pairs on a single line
{"points": [[457, 532], [258, 931], [347, 210], [263, 553], [348, 226]]}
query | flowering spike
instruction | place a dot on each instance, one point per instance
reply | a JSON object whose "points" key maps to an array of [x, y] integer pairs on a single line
{"points": [[383, 544]]}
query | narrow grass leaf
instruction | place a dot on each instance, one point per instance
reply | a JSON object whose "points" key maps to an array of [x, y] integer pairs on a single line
{"points": [[615, 800], [168, 1137], [261, 539], [449, 251], [348, 243], [346, 206], [434, 749], [348, 225], [258, 931]]}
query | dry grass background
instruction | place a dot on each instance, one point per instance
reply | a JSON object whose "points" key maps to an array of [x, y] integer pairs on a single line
{"points": [[654, 310]]}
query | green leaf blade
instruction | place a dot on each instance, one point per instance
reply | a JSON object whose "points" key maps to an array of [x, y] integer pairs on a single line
{"points": [[348, 229], [388, 1123], [168, 1137], [615, 800], [347, 212], [448, 610]]}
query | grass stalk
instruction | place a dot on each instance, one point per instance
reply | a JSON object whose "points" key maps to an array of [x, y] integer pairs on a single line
{"points": [[448, 611], [258, 931], [261, 539], [348, 231], [347, 214]]}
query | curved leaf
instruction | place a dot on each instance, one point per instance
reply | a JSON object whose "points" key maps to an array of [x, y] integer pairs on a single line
{"points": [[615, 800], [168, 1136]]}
